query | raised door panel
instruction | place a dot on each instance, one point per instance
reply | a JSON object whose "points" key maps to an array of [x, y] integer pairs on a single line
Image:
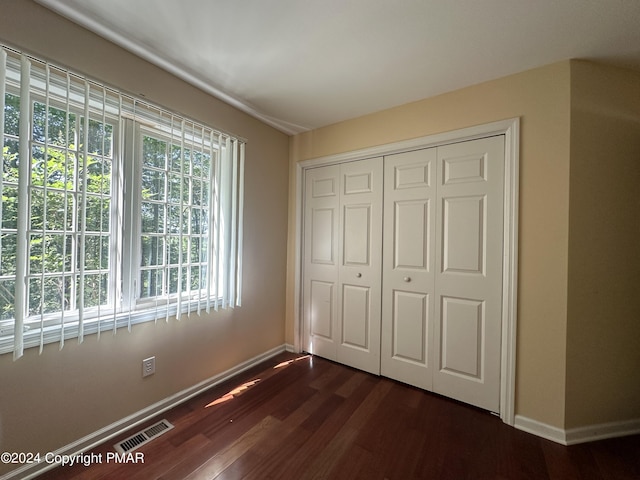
{"points": [[462, 327], [360, 264], [411, 235], [323, 249], [321, 309], [409, 327], [408, 259], [468, 277], [356, 310], [463, 234], [356, 235], [320, 280]]}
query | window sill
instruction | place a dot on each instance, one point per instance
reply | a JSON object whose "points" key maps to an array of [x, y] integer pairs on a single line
{"points": [[52, 333]]}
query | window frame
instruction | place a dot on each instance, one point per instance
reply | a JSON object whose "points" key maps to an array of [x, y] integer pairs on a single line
{"points": [[53, 319], [133, 234], [129, 123]]}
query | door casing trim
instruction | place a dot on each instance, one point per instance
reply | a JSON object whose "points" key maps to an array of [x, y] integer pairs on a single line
{"points": [[510, 128]]}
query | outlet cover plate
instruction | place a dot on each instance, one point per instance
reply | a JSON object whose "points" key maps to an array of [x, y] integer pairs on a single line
{"points": [[148, 366]]}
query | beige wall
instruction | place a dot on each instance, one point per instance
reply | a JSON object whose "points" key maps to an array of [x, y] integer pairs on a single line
{"points": [[50, 400], [603, 326], [541, 98]]}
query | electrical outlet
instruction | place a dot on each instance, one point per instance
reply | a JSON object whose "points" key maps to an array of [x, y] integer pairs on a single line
{"points": [[148, 366]]}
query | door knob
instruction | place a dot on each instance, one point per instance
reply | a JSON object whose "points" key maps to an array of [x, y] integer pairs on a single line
{"points": [[358, 275], [407, 279]]}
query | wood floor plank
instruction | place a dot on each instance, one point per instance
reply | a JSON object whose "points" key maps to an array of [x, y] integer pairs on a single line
{"points": [[348, 387], [161, 457], [339, 444], [296, 417], [520, 456], [357, 462], [335, 450], [558, 461], [321, 427], [223, 459], [291, 436], [611, 455]]}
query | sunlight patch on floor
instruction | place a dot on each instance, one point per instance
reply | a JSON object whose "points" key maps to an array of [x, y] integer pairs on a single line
{"points": [[233, 393], [289, 362], [240, 389]]}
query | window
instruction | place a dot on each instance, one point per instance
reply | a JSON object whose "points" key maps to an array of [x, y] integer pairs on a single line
{"points": [[175, 204], [122, 212]]}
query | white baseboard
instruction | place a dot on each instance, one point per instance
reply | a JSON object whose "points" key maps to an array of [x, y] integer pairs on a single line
{"points": [[86, 443], [602, 431], [573, 436], [540, 429]]}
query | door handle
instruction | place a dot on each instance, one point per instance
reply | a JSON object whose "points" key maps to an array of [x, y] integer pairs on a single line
{"points": [[358, 275], [407, 279]]}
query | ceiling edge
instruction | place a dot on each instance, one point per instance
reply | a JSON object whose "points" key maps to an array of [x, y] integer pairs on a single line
{"points": [[140, 51]]}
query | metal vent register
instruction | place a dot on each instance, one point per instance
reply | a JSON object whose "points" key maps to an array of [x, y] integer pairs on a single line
{"points": [[145, 436]]}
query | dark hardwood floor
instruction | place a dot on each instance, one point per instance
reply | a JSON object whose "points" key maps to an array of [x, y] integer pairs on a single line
{"points": [[310, 418]]}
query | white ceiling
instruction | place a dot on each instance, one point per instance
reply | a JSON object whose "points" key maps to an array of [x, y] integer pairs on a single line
{"points": [[303, 64]]}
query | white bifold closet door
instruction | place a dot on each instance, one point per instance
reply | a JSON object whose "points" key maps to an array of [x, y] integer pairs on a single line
{"points": [[442, 281], [419, 301], [409, 258], [342, 262]]}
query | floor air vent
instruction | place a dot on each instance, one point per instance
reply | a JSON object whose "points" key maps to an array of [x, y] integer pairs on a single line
{"points": [[145, 436]]}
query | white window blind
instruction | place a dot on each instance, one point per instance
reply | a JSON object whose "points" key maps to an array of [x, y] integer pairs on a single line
{"points": [[113, 211]]}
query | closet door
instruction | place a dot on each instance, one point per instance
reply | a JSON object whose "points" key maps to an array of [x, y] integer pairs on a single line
{"points": [[320, 285], [437, 322], [342, 263], [359, 294], [408, 261], [468, 275]]}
